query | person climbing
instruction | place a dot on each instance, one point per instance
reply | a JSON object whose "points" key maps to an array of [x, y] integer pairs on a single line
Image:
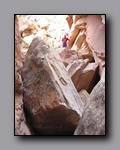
{"points": [[64, 41]]}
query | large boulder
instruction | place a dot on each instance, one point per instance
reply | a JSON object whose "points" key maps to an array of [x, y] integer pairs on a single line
{"points": [[83, 74], [52, 104], [93, 118]]}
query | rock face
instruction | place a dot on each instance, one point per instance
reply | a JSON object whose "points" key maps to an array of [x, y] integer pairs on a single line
{"points": [[81, 68], [21, 127], [17, 41], [83, 74], [88, 32], [93, 118], [52, 104], [84, 96], [68, 56], [85, 54]]}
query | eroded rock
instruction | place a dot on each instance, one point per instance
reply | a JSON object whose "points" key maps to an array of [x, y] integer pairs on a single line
{"points": [[52, 104], [21, 127], [84, 95], [88, 32], [85, 54], [17, 40], [68, 56], [82, 74]]}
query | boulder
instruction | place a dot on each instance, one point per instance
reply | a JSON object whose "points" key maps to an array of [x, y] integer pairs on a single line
{"points": [[52, 104], [83, 74], [93, 118], [76, 68], [85, 54], [68, 56]]}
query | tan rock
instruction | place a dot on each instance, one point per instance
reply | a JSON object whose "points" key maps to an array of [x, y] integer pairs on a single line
{"points": [[74, 31], [76, 67], [17, 41], [20, 124], [79, 41], [85, 54], [88, 32], [69, 20], [96, 37], [84, 76], [68, 56], [21, 127]]}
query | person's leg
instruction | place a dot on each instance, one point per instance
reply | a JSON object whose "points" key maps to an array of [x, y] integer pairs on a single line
{"points": [[65, 45]]}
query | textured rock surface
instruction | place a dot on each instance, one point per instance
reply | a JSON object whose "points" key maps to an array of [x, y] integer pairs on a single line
{"points": [[93, 118], [83, 74], [84, 95], [21, 127], [17, 40], [20, 124], [88, 32], [85, 54], [68, 56], [52, 104]]}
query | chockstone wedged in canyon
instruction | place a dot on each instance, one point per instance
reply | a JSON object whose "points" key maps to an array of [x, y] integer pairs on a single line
{"points": [[51, 102]]}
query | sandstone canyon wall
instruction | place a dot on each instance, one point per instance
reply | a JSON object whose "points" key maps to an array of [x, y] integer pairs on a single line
{"points": [[87, 32], [20, 124]]}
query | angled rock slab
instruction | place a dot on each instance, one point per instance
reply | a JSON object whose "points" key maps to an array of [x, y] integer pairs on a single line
{"points": [[52, 104]]}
